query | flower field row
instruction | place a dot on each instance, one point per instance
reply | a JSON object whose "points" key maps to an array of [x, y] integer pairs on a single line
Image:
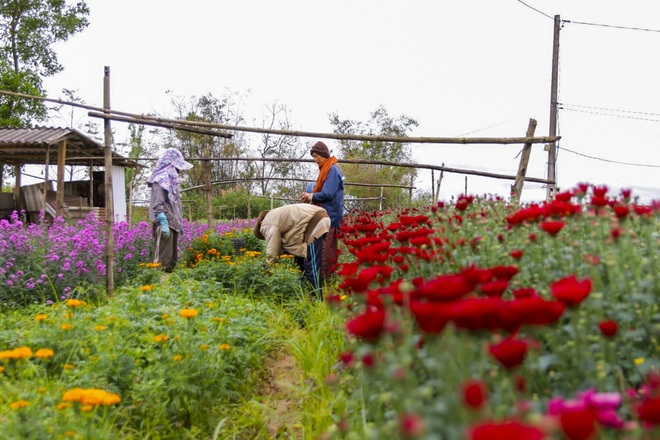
{"points": [[485, 320]]}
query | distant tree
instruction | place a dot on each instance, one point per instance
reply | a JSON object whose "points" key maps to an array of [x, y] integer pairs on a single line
{"points": [[28, 31], [276, 146], [379, 123]]}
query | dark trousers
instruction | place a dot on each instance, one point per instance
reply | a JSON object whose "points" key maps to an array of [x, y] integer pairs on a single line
{"points": [[329, 253], [311, 267], [166, 250]]}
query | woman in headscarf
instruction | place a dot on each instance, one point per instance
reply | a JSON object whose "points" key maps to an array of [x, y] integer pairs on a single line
{"points": [[328, 192], [165, 210]]}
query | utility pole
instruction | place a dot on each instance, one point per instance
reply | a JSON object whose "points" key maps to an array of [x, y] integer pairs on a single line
{"points": [[552, 146]]}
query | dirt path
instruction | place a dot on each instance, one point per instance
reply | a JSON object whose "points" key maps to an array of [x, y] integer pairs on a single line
{"points": [[281, 396]]}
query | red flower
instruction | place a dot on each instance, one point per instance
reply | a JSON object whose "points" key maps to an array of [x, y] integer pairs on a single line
{"points": [[570, 291], [621, 211], [649, 410], [494, 288], [367, 326], [608, 328], [505, 430], [517, 254], [431, 317], [347, 358], [411, 426], [504, 272], [578, 423], [510, 352], [552, 227], [534, 310], [443, 288], [475, 393]]}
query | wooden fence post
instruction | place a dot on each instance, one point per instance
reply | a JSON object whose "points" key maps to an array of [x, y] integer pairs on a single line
{"points": [[207, 187], [516, 188]]}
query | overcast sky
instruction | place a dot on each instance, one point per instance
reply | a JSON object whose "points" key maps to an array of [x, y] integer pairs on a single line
{"points": [[461, 68]]}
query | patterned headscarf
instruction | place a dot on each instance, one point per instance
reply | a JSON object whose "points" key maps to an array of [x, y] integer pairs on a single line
{"points": [[165, 174]]}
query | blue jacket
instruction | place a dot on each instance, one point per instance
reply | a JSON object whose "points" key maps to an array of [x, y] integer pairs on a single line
{"points": [[331, 196]]}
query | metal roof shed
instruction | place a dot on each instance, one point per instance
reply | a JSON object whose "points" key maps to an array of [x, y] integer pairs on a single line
{"points": [[61, 146]]}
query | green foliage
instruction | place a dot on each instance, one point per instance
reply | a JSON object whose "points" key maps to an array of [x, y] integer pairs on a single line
{"points": [[178, 354]]}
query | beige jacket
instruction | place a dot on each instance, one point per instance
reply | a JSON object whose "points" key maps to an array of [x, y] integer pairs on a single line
{"points": [[284, 229]]}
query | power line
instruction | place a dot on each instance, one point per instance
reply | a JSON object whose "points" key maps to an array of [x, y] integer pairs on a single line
{"points": [[610, 161], [536, 10], [610, 109], [628, 28], [614, 115], [586, 23]]}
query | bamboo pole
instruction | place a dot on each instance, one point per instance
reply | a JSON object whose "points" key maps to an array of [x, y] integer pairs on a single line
{"points": [[437, 192], [259, 179], [109, 211], [516, 189], [61, 163], [336, 136], [378, 162]]}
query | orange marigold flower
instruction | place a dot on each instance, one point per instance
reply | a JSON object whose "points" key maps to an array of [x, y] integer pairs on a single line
{"points": [[204, 347], [91, 396], [19, 404], [63, 405], [224, 347], [146, 288], [99, 328], [17, 353], [66, 326], [161, 338], [44, 353], [73, 303], [177, 358], [40, 317], [188, 313]]}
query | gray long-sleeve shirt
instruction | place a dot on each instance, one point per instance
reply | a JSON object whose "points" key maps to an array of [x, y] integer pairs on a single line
{"points": [[161, 203]]}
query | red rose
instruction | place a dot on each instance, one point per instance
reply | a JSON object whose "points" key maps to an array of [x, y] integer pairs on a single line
{"points": [[475, 393], [570, 291], [608, 328], [505, 430], [510, 352], [367, 326], [578, 423], [552, 227]]}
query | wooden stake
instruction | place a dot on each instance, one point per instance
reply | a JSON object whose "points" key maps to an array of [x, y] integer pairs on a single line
{"points": [[516, 188]]}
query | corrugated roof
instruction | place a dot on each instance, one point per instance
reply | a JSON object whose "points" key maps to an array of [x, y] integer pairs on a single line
{"points": [[20, 146]]}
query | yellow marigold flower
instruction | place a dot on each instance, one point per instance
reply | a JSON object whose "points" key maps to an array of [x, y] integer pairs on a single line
{"points": [[639, 361], [226, 258], [73, 303], [63, 405], [41, 390], [19, 404], [2, 368], [91, 396], [40, 317], [86, 408], [66, 326], [44, 353], [99, 328], [161, 338], [70, 434], [146, 287], [188, 313], [224, 347], [17, 353], [177, 358], [164, 316], [204, 347], [69, 315], [218, 319], [343, 297], [68, 367]]}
